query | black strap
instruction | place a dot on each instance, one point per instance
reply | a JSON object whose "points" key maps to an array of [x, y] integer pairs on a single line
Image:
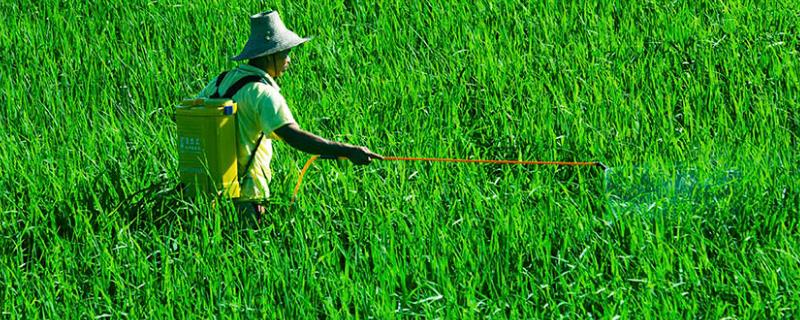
{"points": [[250, 162], [232, 90], [241, 83], [220, 77]]}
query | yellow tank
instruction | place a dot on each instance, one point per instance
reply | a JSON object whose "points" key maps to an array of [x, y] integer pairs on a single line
{"points": [[207, 146]]}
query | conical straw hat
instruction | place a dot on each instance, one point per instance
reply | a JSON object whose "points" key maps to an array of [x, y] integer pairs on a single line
{"points": [[268, 35]]}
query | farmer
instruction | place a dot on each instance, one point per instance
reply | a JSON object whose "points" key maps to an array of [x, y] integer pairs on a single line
{"points": [[263, 114]]}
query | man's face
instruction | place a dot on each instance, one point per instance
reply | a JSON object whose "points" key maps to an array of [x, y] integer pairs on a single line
{"points": [[280, 62]]}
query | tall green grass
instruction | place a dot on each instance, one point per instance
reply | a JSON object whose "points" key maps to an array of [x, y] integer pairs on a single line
{"points": [[91, 227]]}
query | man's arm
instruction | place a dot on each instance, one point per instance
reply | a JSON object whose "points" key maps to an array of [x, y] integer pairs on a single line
{"points": [[311, 143]]}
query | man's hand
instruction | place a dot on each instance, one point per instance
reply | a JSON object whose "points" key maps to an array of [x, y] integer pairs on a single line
{"points": [[361, 155]]}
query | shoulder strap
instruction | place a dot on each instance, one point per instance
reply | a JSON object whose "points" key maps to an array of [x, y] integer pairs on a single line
{"points": [[236, 86], [241, 83], [220, 77], [250, 162]]}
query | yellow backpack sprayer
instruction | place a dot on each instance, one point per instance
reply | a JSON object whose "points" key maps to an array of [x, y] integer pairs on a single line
{"points": [[207, 142]]}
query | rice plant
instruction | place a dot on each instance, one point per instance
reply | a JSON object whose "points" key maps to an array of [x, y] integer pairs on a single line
{"points": [[693, 105]]}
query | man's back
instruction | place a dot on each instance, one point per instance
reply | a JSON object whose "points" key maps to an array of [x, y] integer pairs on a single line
{"points": [[261, 108]]}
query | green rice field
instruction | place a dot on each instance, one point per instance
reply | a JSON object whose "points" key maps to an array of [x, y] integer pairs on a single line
{"points": [[693, 105]]}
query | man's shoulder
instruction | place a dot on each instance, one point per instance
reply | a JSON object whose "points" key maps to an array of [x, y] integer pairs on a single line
{"points": [[258, 83], [259, 89], [259, 93]]}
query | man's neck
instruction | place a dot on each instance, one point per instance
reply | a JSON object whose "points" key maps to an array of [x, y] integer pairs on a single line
{"points": [[261, 64]]}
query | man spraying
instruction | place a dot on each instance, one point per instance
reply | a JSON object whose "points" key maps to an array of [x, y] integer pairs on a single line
{"points": [[263, 114]]}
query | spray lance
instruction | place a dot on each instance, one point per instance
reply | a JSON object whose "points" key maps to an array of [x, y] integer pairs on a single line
{"points": [[448, 160]]}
